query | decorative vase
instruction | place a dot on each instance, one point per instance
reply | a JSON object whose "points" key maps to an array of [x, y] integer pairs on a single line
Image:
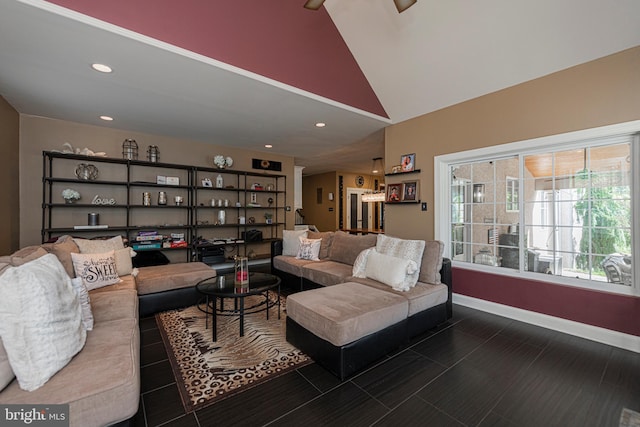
{"points": [[241, 270], [219, 181]]}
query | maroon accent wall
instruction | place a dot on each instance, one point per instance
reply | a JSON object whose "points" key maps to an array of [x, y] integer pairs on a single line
{"points": [[277, 39], [606, 310]]}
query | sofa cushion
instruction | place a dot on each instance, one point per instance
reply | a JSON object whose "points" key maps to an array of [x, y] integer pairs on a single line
{"points": [[404, 249], [172, 276], [40, 320], [289, 264], [421, 297], [346, 247], [101, 381], [346, 312], [291, 241], [63, 248], [327, 240], [327, 273], [124, 265], [431, 262], [114, 305], [126, 283], [96, 270], [309, 249], [392, 271]]}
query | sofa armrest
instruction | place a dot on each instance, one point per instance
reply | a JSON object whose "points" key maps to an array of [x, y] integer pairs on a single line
{"points": [[446, 279], [276, 249]]}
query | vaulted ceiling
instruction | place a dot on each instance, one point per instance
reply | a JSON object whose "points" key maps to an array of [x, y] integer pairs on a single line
{"points": [[249, 73]]}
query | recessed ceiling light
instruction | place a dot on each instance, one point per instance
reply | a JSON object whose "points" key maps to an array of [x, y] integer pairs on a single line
{"points": [[320, 125], [102, 68], [268, 146], [107, 118]]}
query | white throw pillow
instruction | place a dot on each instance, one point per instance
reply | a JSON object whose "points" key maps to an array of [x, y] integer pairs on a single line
{"points": [[85, 302], [405, 249], [390, 270], [309, 249], [40, 320], [360, 264], [291, 241], [99, 246], [6, 372], [96, 270]]}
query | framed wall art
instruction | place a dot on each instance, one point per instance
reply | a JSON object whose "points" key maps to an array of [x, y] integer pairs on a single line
{"points": [[410, 191], [408, 162], [394, 193]]}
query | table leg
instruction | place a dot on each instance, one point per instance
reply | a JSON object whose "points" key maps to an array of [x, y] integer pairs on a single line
{"points": [[267, 304], [214, 325], [241, 316], [278, 302]]}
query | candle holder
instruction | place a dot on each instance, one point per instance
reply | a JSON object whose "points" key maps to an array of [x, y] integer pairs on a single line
{"points": [[241, 270]]}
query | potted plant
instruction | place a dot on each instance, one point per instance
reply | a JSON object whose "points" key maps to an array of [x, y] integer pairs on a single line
{"points": [[268, 217], [70, 196]]}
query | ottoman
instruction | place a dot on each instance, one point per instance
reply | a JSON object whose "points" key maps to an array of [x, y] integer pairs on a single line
{"points": [[348, 326]]}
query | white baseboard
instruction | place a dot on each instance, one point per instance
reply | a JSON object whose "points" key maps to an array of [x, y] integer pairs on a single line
{"points": [[594, 333]]}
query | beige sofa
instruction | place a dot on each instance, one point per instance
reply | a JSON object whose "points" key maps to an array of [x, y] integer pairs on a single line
{"points": [[101, 383], [346, 321]]}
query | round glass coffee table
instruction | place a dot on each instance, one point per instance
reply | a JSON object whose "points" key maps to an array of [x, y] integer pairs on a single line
{"points": [[220, 287]]}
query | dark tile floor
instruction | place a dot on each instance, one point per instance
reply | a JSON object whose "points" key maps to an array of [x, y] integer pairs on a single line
{"points": [[477, 370]]}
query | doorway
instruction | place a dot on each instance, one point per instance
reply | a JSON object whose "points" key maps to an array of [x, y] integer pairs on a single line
{"points": [[359, 213]]}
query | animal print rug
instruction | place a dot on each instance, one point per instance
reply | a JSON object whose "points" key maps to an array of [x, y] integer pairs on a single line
{"points": [[208, 371]]}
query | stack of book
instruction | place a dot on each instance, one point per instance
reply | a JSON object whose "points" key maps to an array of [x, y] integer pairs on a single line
{"points": [[177, 241], [147, 240]]}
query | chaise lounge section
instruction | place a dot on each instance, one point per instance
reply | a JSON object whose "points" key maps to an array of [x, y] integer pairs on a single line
{"points": [[344, 319]]}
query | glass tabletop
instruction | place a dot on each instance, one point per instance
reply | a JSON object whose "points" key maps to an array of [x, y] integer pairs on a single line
{"points": [[225, 286]]}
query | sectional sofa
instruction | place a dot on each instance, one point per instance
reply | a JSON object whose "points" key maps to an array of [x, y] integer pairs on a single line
{"points": [[100, 377], [362, 297]]}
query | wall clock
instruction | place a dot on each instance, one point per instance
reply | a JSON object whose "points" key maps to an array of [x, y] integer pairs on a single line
{"points": [[359, 180]]}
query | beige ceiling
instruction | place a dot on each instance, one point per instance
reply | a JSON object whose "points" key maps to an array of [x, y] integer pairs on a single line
{"points": [[435, 54]]}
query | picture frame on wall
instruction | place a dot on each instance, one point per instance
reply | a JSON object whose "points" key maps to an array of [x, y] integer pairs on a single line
{"points": [[410, 191], [408, 162], [394, 193]]}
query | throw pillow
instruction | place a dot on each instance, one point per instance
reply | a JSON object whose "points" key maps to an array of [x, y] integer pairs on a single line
{"points": [[40, 320], [390, 270], [309, 249], [63, 248], [22, 256], [124, 264], [6, 373], [291, 241], [99, 246], [346, 247], [96, 270], [327, 239], [405, 249], [432, 262], [85, 302], [360, 264]]}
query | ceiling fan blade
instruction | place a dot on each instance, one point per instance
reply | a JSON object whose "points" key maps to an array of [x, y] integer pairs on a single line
{"points": [[313, 4], [403, 5]]}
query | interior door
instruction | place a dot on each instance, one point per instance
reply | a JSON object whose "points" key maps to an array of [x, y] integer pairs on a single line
{"points": [[359, 213]]}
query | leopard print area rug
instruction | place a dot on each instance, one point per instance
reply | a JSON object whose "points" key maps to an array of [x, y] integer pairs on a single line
{"points": [[207, 371]]}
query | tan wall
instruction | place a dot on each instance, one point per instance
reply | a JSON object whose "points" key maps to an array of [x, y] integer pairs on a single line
{"points": [[319, 214], [9, 169], [598, 93], [38, 134]]}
